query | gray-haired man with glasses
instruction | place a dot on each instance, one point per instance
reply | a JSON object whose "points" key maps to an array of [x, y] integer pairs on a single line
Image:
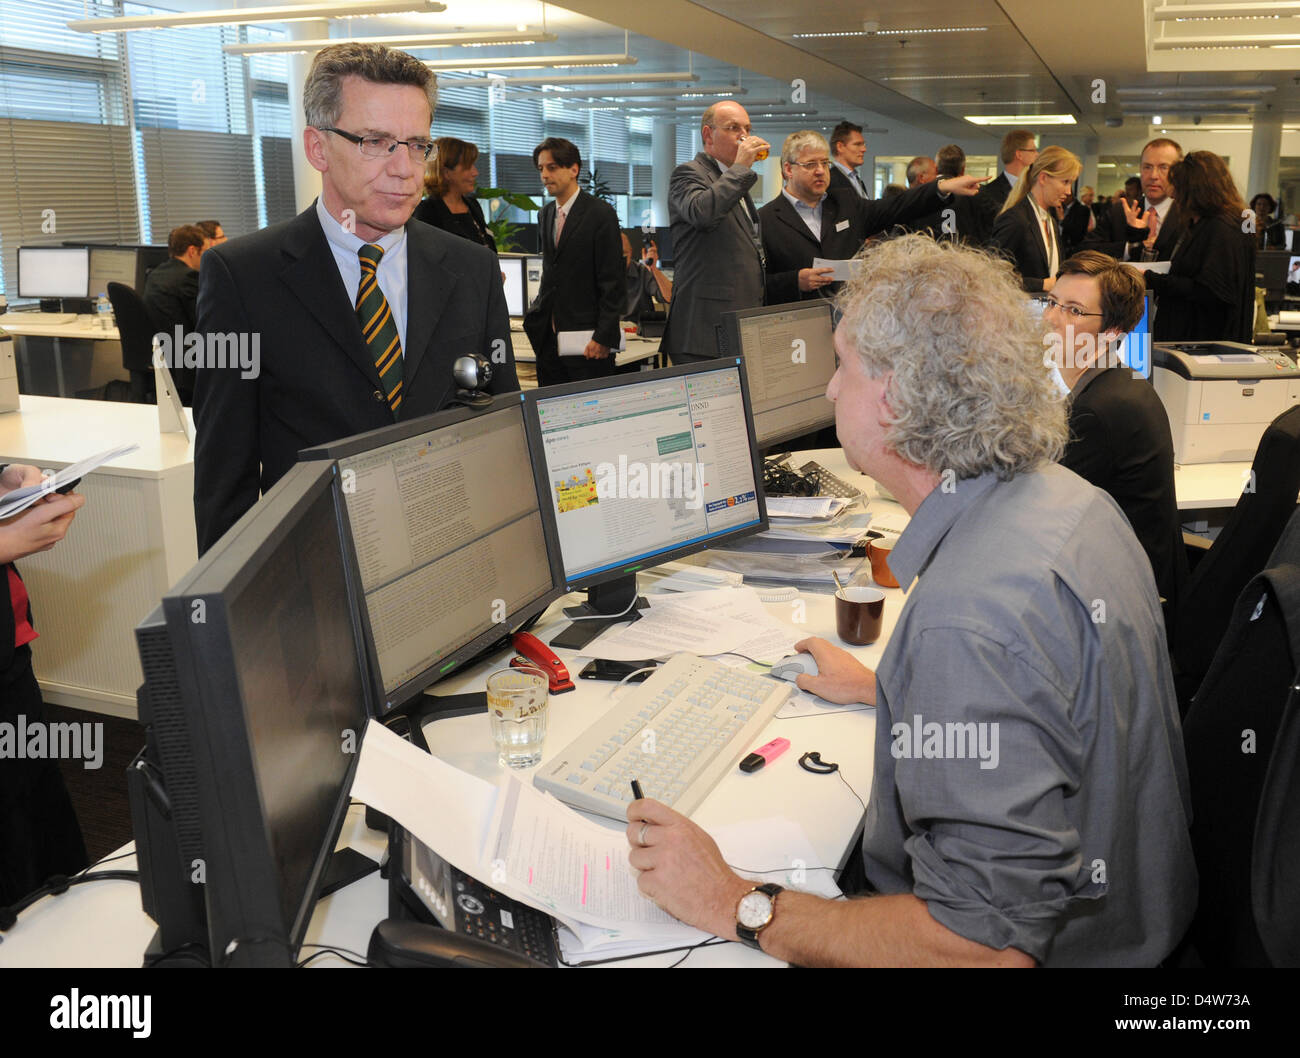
{"points": [[356, 312]]}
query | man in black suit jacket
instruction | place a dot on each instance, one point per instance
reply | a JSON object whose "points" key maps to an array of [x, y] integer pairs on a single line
{"points": [[290, 295], [171, 294], [842, 219], [583, 276], [1149, 230], [848, 148], [1119, 433], [1019, 150]]}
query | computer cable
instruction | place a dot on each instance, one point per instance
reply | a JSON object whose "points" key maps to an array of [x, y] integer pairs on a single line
{"points": [[59, 883], [328, 949]]}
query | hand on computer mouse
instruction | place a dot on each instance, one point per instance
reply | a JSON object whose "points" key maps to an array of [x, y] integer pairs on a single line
{"points": [[841, 678]]}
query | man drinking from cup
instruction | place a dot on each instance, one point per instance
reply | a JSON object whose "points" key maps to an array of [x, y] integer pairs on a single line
{"points": [[1032, 629]]}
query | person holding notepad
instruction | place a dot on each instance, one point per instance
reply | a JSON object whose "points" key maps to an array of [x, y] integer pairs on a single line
{"points": [[583, 276]]}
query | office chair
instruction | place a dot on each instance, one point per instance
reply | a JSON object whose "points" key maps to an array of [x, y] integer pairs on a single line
{"points": [[136, 331], [1239, 552], [1242, 736]]}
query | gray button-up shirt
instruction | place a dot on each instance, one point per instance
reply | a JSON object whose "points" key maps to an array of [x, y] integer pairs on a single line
{"points": [[1030, 783]]}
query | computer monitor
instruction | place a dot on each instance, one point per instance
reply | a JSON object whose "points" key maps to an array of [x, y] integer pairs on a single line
{"points": [[115, 264], [1271, 268], [1293, 277], [789, 358], [533, 277], [641, 469], [443, 521], [517, 300], [53, 272], [1135, 347], [253, 702]]}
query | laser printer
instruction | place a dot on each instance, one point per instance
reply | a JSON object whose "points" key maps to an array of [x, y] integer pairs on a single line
{"points": [[1221, 396]]}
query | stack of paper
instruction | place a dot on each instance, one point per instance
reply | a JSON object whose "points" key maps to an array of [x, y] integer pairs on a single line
{"points": [[533, 849]]}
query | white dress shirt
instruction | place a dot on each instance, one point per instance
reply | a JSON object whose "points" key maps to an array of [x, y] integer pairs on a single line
{"points": [[562, 210], [391, 273]]}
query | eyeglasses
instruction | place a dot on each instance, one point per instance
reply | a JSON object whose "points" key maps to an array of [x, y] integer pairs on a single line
{"points": [[1050, 302], [814, 165], [382, 146], [733, 128]]}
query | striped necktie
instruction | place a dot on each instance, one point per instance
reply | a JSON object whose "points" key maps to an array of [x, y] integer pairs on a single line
{"points": [[378, 326]]}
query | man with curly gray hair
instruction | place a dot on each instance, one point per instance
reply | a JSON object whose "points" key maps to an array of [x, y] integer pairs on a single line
{"points": [[1029, 802]]}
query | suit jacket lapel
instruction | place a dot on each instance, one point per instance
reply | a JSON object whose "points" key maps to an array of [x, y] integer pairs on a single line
{"points": [[430, 285], [312, 275], [789, 216]]}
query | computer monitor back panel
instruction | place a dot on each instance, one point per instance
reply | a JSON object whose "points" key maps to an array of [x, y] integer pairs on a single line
{"points": [[53, 272], [443, 521], [268, 659], [789, 356], [645, 468]]}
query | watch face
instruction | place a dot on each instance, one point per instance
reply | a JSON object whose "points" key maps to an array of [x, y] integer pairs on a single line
{"points": [[755, 910]]}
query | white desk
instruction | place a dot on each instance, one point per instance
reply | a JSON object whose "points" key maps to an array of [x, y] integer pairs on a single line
{"points": [[103, 925], [638, 350], [131, 541], [91, 362]]}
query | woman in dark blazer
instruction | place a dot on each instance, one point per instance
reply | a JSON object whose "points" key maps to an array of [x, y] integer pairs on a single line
{"points": [[39, 835], [1209, 291], [1018, 231], [449, 181]]}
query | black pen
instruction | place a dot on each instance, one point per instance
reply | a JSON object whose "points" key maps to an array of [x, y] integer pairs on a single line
{"points": [[636, 790]]}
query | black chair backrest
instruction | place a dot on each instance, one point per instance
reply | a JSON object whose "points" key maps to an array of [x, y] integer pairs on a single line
{"points": [[1242, 547], [133, 326], [1242, 736]]}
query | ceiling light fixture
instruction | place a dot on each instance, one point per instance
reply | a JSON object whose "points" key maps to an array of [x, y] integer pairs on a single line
{"points": [[238, 16], [888, 32], [413, 40], [1021, 119], [567, 79], [957, 77], [531, 62], [1225, 12]]}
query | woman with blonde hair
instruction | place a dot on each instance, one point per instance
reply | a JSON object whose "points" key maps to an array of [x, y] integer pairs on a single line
{"points": [[1026, 230], [450, 177]]}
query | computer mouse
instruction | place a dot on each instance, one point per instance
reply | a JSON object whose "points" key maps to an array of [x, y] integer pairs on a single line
{"points": [[790, 667]]}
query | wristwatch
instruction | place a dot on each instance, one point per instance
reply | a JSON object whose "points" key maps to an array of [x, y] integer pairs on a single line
{"points": [[755, 912]]}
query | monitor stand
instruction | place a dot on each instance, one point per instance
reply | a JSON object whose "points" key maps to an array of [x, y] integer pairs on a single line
{"points": [[611, 601]]}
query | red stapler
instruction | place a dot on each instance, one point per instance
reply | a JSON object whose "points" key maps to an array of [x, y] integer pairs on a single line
{"points": [[537, 653]]}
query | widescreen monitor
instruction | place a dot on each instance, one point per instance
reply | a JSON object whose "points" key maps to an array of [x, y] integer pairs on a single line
{"points": [[1135, 347], [642, 469], [254, 702], [1271, 268], [789, 356], [53, 272], [443, 518], [115, 264]]}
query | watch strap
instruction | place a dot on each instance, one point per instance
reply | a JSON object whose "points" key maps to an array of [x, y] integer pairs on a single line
{"points": [[748, 935]]}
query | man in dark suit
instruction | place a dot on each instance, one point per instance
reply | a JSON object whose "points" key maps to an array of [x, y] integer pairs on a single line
{"points": [[1119, 433], [717, 252], [1019, 149], [848, 148], [1149, 229], [354, 315], [171, 294], [807, 220], [582, 272]]}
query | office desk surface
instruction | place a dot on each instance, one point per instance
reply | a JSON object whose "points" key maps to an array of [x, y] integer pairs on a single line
{"points": [[55, 431], [103, 925], [1198, 486], [29, 324]]}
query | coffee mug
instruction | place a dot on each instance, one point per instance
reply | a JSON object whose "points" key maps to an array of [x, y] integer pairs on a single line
{"points": [[878, 554], [859, 614]]}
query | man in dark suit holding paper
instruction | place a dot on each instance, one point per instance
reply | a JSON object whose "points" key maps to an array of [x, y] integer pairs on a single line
{"points": [[808, 221], [355, 312], [583, 275]]}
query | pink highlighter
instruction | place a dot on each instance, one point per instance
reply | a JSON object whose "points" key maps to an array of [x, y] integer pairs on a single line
{"points": [[765, 754]]}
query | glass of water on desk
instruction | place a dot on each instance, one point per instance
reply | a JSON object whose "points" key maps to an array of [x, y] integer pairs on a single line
{"points": [[517, 702]]}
